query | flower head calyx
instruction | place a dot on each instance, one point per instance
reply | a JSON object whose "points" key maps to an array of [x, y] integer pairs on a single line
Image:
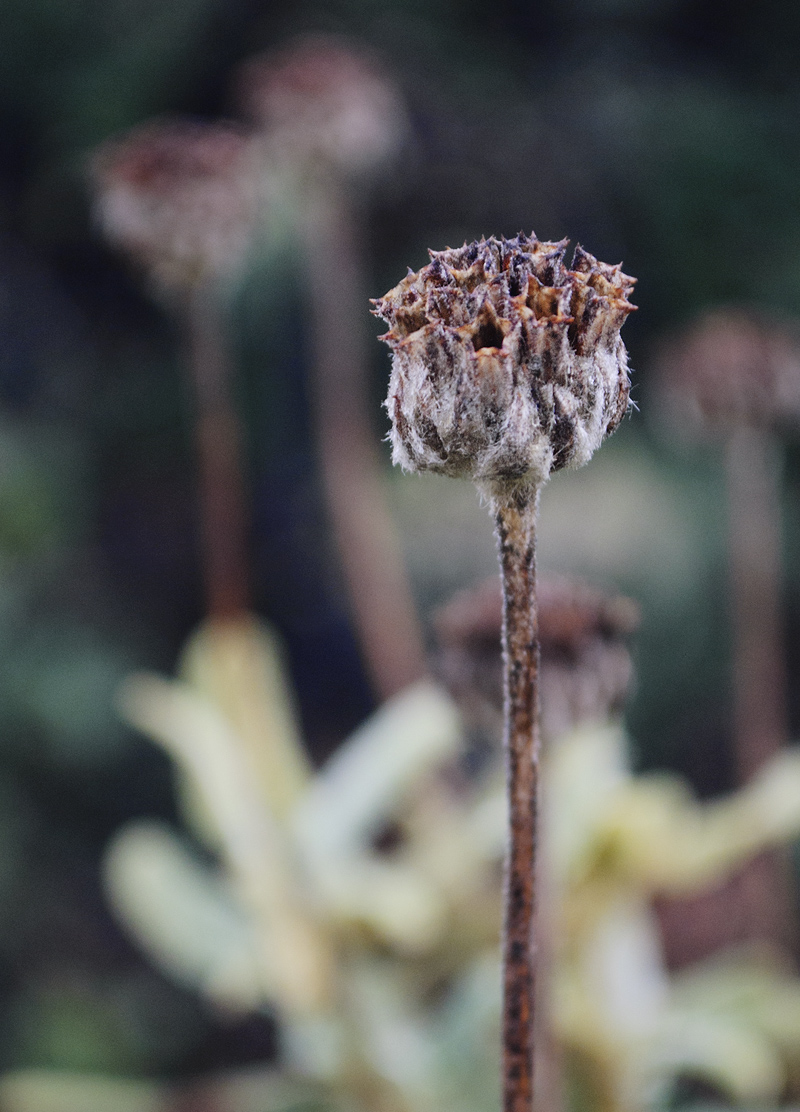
{"points": [[507, 364]]}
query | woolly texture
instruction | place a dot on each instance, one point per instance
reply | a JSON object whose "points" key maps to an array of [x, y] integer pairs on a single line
{"points": [[506, 364]]}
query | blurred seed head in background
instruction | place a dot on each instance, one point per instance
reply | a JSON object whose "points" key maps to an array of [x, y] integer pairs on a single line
{"points": [[180, 198]]}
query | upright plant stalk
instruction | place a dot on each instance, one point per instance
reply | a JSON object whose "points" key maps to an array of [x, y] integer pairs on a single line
{"points": [[515, 528], [181, 198], [222, 502], [331, 117], [760, 715], [508, 365], [737, 368], [383, 606], [759, 672]]}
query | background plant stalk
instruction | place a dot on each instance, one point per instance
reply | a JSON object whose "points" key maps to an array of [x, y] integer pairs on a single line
{"points": [[761, 716], [515, 524], [383, 607], [223, 515]]}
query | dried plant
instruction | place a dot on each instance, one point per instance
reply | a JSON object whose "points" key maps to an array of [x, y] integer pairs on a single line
{"points": [[507, 366], [325, 107], [735, 367], [736, 373], [329, 119], [620, 1026], [585, 667], [181, 198]]}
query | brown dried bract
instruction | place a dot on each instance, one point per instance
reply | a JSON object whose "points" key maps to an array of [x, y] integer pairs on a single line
{"points": [[507, 364]]}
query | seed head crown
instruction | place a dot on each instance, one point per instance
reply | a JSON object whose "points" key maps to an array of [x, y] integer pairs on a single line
{"points": [[507, 364]]}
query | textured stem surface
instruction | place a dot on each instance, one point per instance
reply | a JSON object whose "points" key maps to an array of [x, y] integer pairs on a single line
{"points": [[515, 529], [222, 502]]}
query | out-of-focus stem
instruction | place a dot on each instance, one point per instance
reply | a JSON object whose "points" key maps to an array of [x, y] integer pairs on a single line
{"points": [[383, 607], [760, 714], [221, 487], [759, 671], [515, 523]]}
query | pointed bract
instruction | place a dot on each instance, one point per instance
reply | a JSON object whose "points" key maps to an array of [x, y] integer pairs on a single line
{"points": [[507, 364]]}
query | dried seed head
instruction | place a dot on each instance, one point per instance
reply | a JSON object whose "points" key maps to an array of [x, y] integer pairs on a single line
{"points": [[585, 668], [506, 364], [180, 197], [734, 366], [323, 105]]}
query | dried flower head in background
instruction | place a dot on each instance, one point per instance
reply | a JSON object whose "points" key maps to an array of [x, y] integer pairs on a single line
{"points": [[734, 366], [586, 666], [180, 197], [736, 371], [324, 105], [507, 364]]}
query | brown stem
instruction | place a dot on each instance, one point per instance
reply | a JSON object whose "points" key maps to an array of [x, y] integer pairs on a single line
{"points": [[760, 715], [515, 522], [759, 672], [221, 489], [384, 612]]}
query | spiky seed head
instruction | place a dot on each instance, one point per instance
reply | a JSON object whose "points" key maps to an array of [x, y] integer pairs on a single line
{"points": [[506, 364]]}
